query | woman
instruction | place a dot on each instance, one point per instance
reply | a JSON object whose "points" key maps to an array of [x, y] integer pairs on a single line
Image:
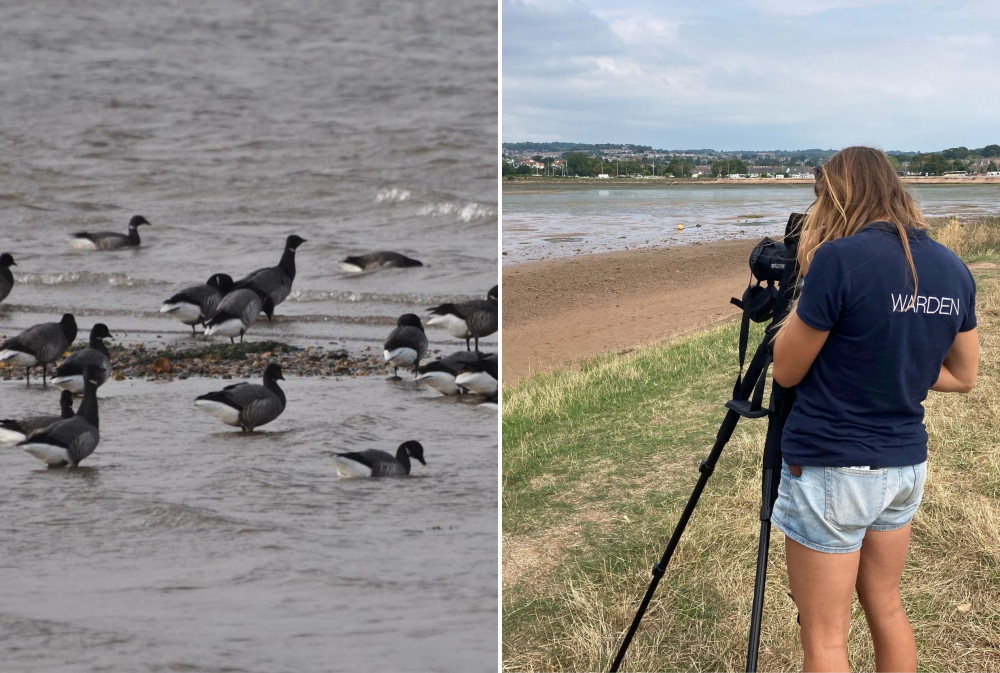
{"points": [[884, 314]]}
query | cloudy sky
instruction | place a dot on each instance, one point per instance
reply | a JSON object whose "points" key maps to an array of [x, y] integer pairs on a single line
{"points": [[911, 75]]}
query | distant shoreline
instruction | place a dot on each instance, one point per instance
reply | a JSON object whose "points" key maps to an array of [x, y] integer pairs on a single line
{"points": [[522, 182]]}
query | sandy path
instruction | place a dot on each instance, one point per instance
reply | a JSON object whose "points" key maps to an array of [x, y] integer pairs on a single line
{"points": [[560, 312]]}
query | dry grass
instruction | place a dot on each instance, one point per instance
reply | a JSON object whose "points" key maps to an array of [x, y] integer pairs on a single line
{"points": [[600, 459]]}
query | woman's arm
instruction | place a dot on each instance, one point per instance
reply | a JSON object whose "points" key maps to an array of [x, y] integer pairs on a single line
{"points": [[795, 347], [961, 365]]}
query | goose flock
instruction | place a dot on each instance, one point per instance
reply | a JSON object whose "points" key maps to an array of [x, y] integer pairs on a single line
{"points": [[227, 308]]}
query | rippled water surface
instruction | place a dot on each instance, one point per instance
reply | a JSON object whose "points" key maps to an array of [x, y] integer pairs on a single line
{"points": [[180, 545], [550, 221]]}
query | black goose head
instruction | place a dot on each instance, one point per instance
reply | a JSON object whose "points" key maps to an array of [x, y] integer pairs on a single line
{"points": [[494, 293], [68, 324], [99, 331], [273, 372], [136, 221], [293, 242], [410, 320], [222, 281], [7, 260], [414, 449]]}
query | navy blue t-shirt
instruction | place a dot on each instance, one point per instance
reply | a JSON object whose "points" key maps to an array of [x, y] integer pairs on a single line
{"points": [[861, 403]]}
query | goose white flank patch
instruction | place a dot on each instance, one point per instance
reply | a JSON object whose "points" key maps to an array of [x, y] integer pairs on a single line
{"points": [[196, 304], [237, 312], [17, 430], [440, 374], [6, 275], [275, 281], [69, 441], [69, 374], [246, 405], [469, 319], [378, 463], [382, 259], [480, 376], [109, 240], [39, 345], [406, 344]]}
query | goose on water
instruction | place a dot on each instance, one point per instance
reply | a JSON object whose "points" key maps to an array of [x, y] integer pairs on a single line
{"points": [[17, 429], [382, 259], [109, 240], [196, 304], [480, 376], [440, 374], [68, 441], [247, 405], [237, 311], [6, 276], [275, 281], [378, 463], [69, 374], [406, 344], [469, 319], [39, 345]]}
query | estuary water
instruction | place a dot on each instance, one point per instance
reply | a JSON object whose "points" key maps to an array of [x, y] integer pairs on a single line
{"points": [[180, 545], [550, 221]]}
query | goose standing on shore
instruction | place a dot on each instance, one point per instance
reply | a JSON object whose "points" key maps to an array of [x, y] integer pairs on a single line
{"points": [[69, 374], [196, 304], [469, 319], [247, 405], [67, 442], [109, 240], [6, 276], [406, 344], [383, 259], [39, 345], [237, 311], [275, 281], [17, 429], [378, 463]]}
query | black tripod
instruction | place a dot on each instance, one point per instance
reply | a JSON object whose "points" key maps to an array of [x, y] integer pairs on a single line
{"points": [[746, 403]]}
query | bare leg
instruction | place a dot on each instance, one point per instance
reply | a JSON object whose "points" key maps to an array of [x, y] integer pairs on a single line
{"points": [[883, 554], [823, 588]]}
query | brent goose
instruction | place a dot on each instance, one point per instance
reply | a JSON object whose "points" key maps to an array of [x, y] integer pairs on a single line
{"points": [[196, 304], [440, 374], [109, 240], [67, 442], [275, 281], [383, 259], [480, 376], [16, 430], [247, 405], [378, 463], [237, 311], [469, 319], [406, 344], [6, 277], [39, 345], [69, 374]]}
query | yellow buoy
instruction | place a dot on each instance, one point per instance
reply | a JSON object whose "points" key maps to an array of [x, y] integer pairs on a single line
{"points": [[680, 227]]}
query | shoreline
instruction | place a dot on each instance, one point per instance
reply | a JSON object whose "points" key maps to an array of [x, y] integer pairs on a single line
{"points": [[522, 182], [560, 312]]}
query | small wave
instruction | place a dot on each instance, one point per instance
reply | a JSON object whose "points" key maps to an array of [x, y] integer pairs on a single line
{"points": [[393, 194], [82, 278], [349, 297], [466, 213]]}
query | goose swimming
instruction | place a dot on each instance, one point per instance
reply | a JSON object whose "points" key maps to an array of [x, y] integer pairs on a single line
{"points": [[480, 376], [196, 304], [109, 240], [383, 259], [16, 430], [378, 463], [39, 345], [69, 374], [246, 405], [440, 374]]}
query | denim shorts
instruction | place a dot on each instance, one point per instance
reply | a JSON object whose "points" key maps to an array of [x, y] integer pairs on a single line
{"points": [[829, 509]]}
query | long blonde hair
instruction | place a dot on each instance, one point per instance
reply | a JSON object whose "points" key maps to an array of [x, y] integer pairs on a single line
{"points": [[855, 187]]}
